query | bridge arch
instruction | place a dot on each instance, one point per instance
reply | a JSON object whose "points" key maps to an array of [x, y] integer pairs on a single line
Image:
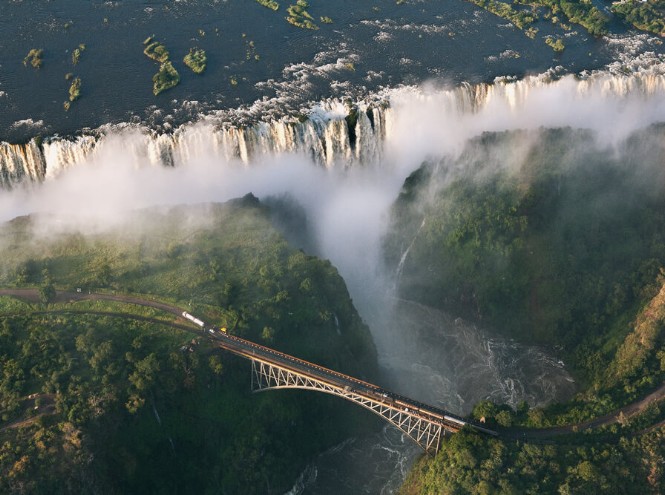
{"points": [[426, 432]]}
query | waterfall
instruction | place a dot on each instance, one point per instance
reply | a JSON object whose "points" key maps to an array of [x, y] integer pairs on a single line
{"points": [[61, 154], [402, 260], [21, 162], [324, 137], [343, 134]]}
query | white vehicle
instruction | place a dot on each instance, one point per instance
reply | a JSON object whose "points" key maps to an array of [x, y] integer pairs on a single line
{"points": [[454, 420], [193, 319]]}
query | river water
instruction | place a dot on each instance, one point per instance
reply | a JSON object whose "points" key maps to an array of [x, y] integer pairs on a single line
{"points": [[122, 146], [369, 45]]}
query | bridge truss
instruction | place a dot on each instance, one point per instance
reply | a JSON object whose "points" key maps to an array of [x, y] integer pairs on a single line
{"points": [[425, 431]]}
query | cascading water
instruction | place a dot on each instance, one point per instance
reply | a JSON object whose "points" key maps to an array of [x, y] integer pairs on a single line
{"points": [[402, 259], [324, 137], [20, 163], [330, 141]]}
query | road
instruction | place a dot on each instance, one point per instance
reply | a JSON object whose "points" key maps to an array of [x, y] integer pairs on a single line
{"points": [[32, 295], [249, 349], [628, 411]]}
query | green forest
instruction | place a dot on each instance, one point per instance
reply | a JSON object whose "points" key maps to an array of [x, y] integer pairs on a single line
{"points": [[469, 463], [110, 397], [553, 238], [647, 15]]}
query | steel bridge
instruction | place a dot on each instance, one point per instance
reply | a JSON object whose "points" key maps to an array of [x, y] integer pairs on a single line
{"points": [[272, 370]]}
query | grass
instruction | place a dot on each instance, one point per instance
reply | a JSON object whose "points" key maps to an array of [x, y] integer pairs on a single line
{"points": [[11, 305]]}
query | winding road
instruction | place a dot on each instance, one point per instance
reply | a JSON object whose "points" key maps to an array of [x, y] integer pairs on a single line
{"points": [[628, 411]]}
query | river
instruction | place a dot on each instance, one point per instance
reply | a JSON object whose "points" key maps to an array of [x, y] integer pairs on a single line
{"points": [[369, 45]]}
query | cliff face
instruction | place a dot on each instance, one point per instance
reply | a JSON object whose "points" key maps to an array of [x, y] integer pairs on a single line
{"points": [[646, 342], [548, 235], [21, 163]]}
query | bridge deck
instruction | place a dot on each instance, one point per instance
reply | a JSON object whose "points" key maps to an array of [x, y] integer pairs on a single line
{"points": [[253, 351]]}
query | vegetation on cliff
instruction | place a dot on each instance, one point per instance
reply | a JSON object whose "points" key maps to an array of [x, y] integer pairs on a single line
{"points": [[469, 463], [120, 402], [547, 246], [549, 237]]}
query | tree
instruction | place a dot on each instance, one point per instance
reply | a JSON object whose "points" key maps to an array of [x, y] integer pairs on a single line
{"points": [[47, 293], [268, 334], [215, 364]]}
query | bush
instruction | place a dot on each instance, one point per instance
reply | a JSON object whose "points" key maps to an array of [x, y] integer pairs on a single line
{"points": [[157, 52], [34, 58], [557, 45], [166, 78], [271, 4], [196, 60], [75, 89]]}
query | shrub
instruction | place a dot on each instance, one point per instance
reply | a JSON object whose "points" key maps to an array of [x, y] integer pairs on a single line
{"points": [[166, 78], [34, 58], [196, 60]]}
